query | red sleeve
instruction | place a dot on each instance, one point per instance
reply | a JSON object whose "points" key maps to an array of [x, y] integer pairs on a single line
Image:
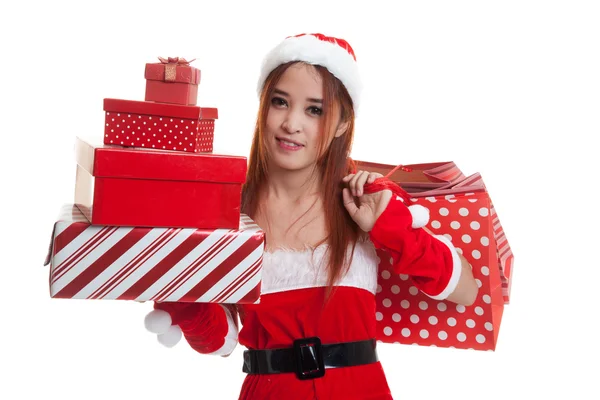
{"points": [[431, 261]]}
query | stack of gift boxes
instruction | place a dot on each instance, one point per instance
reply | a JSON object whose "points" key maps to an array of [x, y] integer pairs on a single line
{"points": [[156, 214]]}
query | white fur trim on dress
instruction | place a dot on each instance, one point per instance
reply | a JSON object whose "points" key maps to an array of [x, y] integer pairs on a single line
{"points": [[456, 270], [310, 49], [231, 338], [285, 270]]}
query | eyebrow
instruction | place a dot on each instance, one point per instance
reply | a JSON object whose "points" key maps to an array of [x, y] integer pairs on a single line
{"points": [[312, 100]]}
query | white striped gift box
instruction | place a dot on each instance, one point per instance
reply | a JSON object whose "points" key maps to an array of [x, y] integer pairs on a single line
{"points": [[154, 264]]}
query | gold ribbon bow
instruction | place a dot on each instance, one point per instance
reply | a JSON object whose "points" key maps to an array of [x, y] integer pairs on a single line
{"points": [[171, 64]]}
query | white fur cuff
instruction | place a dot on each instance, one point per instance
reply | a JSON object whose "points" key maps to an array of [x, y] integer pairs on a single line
{"points": [[456, 269]]}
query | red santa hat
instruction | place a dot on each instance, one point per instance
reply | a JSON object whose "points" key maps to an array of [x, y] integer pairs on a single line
{"points": [[332, 53]]}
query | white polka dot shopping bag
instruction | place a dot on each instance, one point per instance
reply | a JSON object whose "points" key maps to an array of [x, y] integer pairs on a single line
{"points": [[460, 209]]}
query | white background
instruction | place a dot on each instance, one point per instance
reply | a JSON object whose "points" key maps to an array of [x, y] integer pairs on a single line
{"points": [[510, 89]]}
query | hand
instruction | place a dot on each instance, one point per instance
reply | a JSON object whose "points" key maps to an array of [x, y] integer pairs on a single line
{"points": [[370, 206], [181, 313], [167, 317]]}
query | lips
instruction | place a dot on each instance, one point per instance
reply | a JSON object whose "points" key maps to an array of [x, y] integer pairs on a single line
{"points": [[279, 139]]}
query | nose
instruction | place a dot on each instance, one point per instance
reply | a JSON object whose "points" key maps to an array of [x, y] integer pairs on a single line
{"points": [[292, 122]]}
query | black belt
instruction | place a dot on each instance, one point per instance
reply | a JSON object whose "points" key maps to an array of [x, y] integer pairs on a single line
{"points": [[308, 358]]}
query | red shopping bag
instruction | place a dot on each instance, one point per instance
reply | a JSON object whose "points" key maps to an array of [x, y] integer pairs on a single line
{"points": [[460, 208]]}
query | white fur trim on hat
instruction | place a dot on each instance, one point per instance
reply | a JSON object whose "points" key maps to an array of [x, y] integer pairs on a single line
{"points": [[312, 50]]}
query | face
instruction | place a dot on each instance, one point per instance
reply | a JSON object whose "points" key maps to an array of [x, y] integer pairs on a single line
{"points": [[293, 122]]}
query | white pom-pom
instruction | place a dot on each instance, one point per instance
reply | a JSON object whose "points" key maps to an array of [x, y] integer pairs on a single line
{"points": [[420, 215], [157, 321], [171, 337]]}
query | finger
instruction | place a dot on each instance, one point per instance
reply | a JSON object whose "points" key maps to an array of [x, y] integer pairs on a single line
{"points": [[171, 337], [353, 182], [349, 202], [373, 176], [157, 321], [347, 178], [360, 183]]}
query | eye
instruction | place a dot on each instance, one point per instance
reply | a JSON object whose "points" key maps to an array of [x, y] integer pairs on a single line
{"points": [[278, 102], [315, 110]]}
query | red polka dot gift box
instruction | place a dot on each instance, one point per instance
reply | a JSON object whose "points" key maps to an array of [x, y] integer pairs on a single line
{"points": [[118, 186], [152, 125], [172, 80], [460, 209]]}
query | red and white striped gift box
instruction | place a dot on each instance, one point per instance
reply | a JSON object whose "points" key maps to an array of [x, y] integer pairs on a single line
{"points": [[154, 264]]}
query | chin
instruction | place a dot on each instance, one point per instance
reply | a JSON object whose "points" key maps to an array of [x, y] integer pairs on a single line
{"points": [[291, 163]]}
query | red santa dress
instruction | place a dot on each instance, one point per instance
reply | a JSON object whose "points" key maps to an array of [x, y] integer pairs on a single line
{"points": [[292, 307]]}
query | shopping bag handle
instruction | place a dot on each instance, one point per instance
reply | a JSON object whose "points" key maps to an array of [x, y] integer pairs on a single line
{"points": [[385, 183], [402, 167], [396, 168]]}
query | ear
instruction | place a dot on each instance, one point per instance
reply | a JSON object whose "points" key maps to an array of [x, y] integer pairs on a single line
{"points": [[341, 129]]}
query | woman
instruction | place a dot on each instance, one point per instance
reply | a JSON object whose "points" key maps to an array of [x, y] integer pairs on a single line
{"points": [[313, 333]]}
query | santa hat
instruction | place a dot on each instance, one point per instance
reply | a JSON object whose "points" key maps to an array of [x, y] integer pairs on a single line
{"points": [[332, 53]]}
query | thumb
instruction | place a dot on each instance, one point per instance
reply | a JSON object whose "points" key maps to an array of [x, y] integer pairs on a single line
{"points": [[349, 202]]}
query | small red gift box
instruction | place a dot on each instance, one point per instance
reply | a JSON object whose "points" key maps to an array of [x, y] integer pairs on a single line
{"points": [[158, 188], [154, 264], [159, 126], [172, 80]]}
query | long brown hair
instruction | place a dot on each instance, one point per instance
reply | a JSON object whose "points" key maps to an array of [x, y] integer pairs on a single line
{"points": [[333, 164]]}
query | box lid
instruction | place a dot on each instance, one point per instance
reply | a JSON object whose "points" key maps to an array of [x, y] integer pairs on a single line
{"points": [[172, 72], [159, 109], [103, 160]]}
